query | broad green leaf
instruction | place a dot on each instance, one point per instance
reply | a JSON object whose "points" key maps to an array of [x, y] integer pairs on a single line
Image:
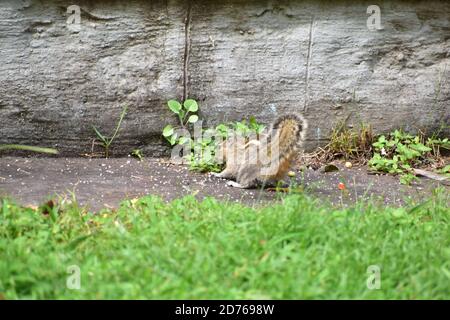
{"points": [[206, 140], [420, 147], [222, 130], [391, 143], [191, 105], [172, 140], [182, 140], [168, 131], [174, 105], [193, 119], [222, 127]]}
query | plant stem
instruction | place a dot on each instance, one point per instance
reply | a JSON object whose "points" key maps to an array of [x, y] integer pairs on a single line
{"points": [[27, 148], [122, 115]]}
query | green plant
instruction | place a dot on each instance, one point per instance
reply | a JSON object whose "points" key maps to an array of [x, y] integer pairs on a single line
{"points": [[445, 170], [27, 148], [344, 143], [137, 153], [202, 153], [186, 115], [436, 144], [201, 150], [399, 152], [107, 141], [245, 129], [407, 178], [351, 143]]}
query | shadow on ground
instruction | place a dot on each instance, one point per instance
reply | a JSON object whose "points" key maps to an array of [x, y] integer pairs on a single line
{"points": [[100, 183]]}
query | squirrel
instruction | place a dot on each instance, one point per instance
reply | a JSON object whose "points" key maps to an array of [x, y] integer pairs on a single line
{"points": [[266, 159]]}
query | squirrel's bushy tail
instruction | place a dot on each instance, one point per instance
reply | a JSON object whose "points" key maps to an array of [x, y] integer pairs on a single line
{"points": [[290, 129]]}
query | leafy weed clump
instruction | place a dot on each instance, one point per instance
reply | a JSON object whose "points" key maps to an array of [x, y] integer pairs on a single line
{"points": [[399, 152]]}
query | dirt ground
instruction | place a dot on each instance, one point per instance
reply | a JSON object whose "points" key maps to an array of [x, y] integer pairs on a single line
{"points": [[100, 183]]}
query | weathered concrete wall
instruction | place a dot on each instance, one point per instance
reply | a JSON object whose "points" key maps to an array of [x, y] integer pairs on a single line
{"points": [[238, 58]]}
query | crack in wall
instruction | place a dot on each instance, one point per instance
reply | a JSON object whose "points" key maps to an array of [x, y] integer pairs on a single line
{"points": [[308, 62], [275, 10], [187, 48]]}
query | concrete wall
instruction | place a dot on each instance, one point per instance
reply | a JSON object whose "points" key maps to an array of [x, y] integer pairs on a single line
{"points": [[237, 58]]}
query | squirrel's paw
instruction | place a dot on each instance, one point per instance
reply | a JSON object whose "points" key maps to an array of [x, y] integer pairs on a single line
{"points": [[234, 184], [216, 174]]}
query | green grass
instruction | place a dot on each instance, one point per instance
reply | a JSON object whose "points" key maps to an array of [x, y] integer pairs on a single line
{"points": [[298, 249]]}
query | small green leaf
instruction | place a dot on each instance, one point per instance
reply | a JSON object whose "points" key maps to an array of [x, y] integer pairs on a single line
{"points": [[420, 147], [206, 140], [74, 243], [446, 169], [174, 105], [221, 127], [391, 143], [173, 140], [260, 129], [168, 131], [193, 119], [182, 140], [99, 135], [191, 105]]}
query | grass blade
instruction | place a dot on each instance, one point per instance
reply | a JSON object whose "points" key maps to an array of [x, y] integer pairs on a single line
{"points": [[28, 148]]}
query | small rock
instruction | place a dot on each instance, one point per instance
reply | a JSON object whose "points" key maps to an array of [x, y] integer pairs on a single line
{"points": [[400, 57]]}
